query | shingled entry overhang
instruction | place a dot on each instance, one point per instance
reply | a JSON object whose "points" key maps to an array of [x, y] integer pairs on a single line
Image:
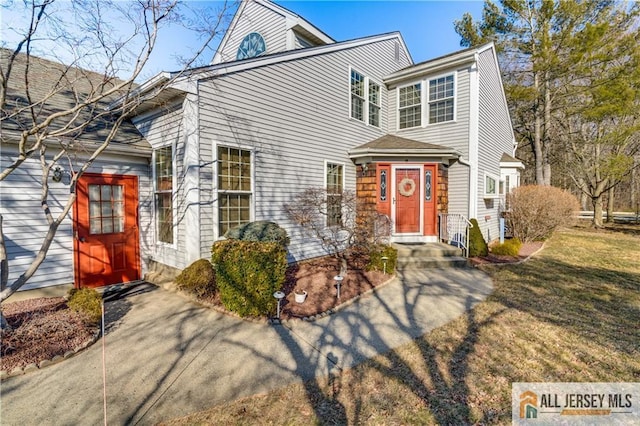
{"points": [[395, 148]]}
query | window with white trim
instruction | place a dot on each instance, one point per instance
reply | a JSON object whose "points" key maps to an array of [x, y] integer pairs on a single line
{"points": [[334, 186], [357, 95], [441, 99], [374, 104], [163, 193], [410, 106], [490, 186], [234, 188], [365, 99]]}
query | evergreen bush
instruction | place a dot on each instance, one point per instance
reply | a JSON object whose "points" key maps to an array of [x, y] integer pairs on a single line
{"points": [[248, 273], [198, 278], [477, 244], [510, 247], [261, 230], [377, 252], [86, 301]]}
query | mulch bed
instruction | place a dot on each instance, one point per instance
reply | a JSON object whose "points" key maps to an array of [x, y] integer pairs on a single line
{"points": [[526, 250], [41, 329]]}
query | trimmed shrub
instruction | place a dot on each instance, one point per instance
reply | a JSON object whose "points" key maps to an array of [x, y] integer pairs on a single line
{"points": [[247, 275], [477, 244], [536, 211], [261, 230], [510, 247], [86, 301], [198, 278], [377, 252]]}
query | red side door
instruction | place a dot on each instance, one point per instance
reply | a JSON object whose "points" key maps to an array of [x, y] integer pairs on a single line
{"points": [[106, 242]]}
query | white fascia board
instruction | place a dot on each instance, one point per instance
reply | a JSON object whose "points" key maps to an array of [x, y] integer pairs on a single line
{"points": [[158, 79], [225, 39], [404, 152], [231, 67], [512, 165], [419, 70]]}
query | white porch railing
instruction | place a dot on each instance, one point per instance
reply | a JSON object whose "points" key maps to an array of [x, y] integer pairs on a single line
{"points": [[454, 229]]}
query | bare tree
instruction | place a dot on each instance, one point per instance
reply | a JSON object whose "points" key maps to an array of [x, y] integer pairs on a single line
{"points": [[52, 111], [337, 221]]}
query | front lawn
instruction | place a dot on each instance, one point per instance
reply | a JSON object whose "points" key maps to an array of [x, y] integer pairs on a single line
{"points": [[569, 314]]}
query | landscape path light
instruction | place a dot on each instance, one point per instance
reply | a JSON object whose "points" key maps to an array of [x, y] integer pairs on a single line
{"points": [[338, 279], [279, 296], [384, 264]]}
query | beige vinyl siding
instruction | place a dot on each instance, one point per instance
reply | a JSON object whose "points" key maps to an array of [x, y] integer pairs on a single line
{"points": [[294, 116], [24, 223], [256, 18], [495, 137], [450, 134], [163, 129]]}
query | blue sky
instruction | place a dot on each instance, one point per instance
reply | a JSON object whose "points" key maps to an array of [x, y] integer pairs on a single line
{"points": [[427, 26]]}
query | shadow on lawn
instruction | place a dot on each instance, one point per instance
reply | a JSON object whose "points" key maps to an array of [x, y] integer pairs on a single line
{"points": [[444, 392], [593, 302]]}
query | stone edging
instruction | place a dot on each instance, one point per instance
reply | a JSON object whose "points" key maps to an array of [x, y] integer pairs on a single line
{"points": [[18, 371], [340, 307], [170, 286], [519, 261]]}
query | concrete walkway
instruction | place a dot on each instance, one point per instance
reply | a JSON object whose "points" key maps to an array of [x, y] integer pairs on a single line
{"points": [[167, 357]]}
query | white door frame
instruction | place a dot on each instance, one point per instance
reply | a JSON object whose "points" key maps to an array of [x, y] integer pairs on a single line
{"points": [[413, 236]]}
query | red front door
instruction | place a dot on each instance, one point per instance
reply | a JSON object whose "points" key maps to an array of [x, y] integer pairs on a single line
{"points": [[106, 239], [407, 200]]}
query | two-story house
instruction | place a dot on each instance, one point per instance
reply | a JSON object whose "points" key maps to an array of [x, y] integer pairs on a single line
{"points": [[284, 107]]}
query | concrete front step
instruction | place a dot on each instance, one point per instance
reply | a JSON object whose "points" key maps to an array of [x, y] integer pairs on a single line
{"points": [[405, 264], [427, 250], [429, 255]]}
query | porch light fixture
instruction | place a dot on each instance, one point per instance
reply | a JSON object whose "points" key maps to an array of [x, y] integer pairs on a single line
{"points": [[338, 279], [279, 296], [61, 175], [57, 174]]}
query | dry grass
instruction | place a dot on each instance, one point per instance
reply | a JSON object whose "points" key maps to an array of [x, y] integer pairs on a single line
{"points": [[569, 314]]}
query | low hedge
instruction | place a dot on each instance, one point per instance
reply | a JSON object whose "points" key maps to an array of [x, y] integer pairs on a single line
{"points": [[247, 275], [261, 230], [198, 278], [86, 301], [510, 247], [377, 252]]}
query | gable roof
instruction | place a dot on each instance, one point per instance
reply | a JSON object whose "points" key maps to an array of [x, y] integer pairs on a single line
{"points": [[217, 70], [461, 57], [57, 86], [293, 21]]}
